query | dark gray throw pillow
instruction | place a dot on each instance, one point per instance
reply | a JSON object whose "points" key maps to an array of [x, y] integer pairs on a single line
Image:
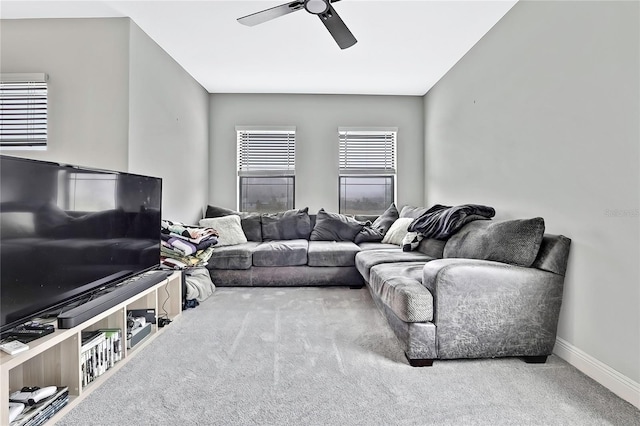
{"points": [[214, 211], [375, 232], [368, 235], [251, 225], [386, 219], [251, 222], [335, 227], [512, 241], [288, 225]]}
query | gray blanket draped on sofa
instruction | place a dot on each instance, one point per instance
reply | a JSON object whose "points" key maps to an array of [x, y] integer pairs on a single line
{"points": [[440, 222]]}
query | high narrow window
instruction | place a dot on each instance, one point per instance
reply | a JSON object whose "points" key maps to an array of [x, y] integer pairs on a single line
{"points": [[367, 169], [23, 111], [266, 168]]}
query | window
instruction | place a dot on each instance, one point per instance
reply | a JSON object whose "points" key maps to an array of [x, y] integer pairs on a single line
{"points": [[23, 111], [367, 169], [266, 168], [87, 192]]}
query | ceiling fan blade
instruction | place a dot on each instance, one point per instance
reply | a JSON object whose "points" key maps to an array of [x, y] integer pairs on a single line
{"points": [[337, 28], [272, 13]]}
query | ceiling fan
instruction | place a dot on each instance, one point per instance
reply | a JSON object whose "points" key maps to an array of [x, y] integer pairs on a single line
{"points": [[321, 8]]}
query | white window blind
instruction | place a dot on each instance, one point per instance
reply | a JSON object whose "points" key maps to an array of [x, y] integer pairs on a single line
{"points": [[367, 151], [23, 111], [269, 151]]}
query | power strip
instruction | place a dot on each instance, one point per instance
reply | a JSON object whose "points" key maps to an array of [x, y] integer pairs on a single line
{"points": [[163, 321]]}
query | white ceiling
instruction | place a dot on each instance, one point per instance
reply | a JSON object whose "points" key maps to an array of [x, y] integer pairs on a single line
{"points": [[404, 47]]}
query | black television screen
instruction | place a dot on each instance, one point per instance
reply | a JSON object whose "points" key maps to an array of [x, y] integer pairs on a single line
{"points": [[68, 231]]}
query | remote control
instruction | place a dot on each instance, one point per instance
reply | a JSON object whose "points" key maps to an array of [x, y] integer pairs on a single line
{"points": [[15, 408], [38, 327], [28, 331], [14, 347]]}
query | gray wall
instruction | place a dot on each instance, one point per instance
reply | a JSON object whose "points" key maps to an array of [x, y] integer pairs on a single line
{"points": [[168, 127], [116, 101], [317, 118], [87, 64], [540, 118]]}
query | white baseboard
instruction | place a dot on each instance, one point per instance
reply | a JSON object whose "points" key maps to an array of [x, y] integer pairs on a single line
{"points": [[616, 382]]}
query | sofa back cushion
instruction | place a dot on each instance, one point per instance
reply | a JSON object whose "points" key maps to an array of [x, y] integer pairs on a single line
{"points": [[513, 241], [432, 247], [335, 227], [288, 225], [412, 211], [554, 254]]}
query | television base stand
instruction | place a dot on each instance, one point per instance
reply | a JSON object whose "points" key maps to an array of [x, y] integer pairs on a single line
{"points": [[57, 359]]}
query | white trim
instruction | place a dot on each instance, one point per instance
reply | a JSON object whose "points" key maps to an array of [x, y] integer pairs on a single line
{"points": [[616, 382], [265, 129], [367, 129], [34, 77]]}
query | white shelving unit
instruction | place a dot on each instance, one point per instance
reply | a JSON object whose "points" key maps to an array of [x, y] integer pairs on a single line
{"points": [[55, 358]]}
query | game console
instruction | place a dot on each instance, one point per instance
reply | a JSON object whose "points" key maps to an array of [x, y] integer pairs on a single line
{"points": [[138, 322], [136, 335], [149, 315], [15, 408], [33, 395]]}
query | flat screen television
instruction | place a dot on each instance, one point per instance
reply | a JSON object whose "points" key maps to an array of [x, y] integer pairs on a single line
{"points": [[68, 232]]}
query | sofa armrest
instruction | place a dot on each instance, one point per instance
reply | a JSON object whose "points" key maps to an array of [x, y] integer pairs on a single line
{"points": [[491, 309]]}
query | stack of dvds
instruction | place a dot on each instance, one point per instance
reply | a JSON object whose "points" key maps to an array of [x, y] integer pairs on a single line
{"points": [[100, 350], [39, 413]]}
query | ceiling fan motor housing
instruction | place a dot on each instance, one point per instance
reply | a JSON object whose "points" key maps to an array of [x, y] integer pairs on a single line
{"points": [[317, 7]]}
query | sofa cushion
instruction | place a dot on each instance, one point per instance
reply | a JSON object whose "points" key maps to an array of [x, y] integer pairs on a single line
{"points": [[239, 256], [251, 222], [399, 287], [287, 225], [228, 227], [334, 227], [376, 246], [397, 232], [281, 253], [332, 253], [511, 241], [366, 259]]}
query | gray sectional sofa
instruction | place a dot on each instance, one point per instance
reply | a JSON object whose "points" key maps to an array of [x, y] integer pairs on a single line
{"points": [[493, 289]]}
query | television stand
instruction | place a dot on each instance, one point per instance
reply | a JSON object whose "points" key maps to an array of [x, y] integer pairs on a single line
{"points": [[55, 359]]}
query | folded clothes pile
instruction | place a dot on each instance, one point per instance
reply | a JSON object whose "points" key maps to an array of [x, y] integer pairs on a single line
{"points": [[185, 246]]}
